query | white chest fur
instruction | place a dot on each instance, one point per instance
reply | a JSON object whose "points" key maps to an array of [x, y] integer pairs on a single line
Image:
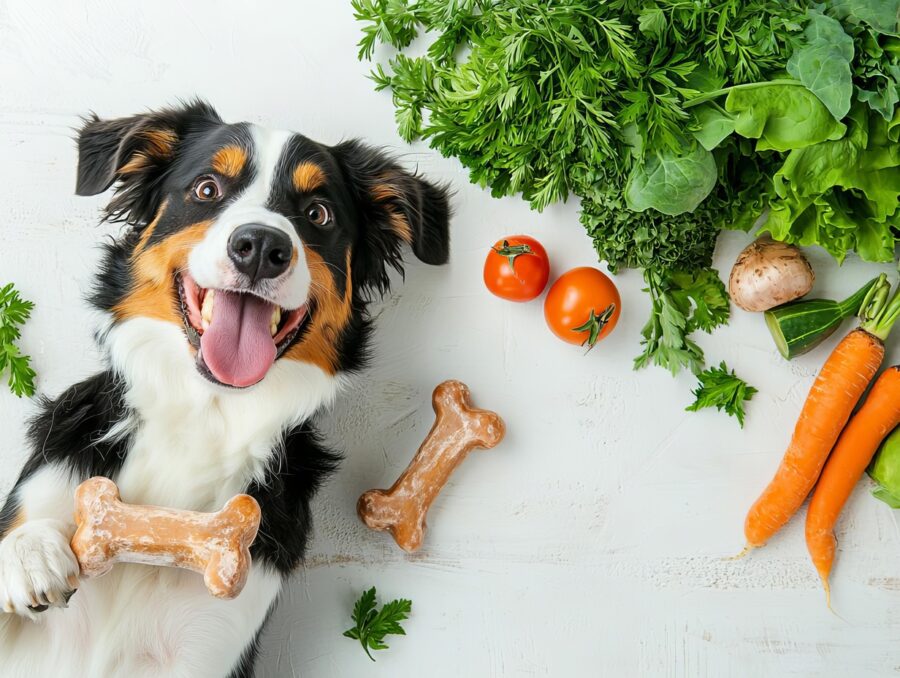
{"points": [[196, 444]]}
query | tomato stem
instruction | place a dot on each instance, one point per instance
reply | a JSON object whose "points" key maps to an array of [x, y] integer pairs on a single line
{"points": [[512, 251], [594, 326]]}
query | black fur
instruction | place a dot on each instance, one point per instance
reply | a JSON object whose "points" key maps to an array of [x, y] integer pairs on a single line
{"points": [[290, 482], [424, 206], [69, 430], [247, 663]]}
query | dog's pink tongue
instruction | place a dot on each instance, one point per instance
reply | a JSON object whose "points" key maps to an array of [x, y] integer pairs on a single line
{"points": [[237, 346]]}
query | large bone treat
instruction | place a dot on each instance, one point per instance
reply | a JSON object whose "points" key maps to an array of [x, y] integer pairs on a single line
{"points": [[458, 429], [217, 545]]}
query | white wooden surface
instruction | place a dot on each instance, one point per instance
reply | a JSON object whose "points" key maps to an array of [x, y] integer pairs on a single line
{"points": [[592, 541]]}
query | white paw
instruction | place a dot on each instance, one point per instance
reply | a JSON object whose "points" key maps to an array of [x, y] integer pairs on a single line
{"points": [[37, 568]]}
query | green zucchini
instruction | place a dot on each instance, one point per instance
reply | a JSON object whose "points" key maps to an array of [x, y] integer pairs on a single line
{"points": [[885, 470], [802, 325]]}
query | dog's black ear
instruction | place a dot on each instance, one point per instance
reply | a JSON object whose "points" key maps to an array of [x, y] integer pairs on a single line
{"points": [[135, 151], [396, 207]]}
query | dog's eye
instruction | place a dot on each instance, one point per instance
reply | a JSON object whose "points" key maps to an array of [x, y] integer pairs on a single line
{"points": [[207, 188], [318, 214]]}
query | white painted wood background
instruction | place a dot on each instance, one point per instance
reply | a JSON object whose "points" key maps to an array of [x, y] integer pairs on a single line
{"points": [[592, 541]]}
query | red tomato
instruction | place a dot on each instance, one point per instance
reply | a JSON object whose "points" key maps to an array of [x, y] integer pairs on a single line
{"points": [[517, 268], [582, 306]]}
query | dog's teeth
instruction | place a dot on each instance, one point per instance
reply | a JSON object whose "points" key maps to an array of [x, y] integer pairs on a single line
{"points": [[206, 311], [276, 320]]}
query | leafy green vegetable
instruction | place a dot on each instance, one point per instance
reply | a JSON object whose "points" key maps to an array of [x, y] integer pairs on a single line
{"points": [[669, 120], [670, 183], [14, 311], [783, 115], [822, 64], [683, 302], [723, 390], [885, 470], [882, 15], [843, 195], [371, 626]]}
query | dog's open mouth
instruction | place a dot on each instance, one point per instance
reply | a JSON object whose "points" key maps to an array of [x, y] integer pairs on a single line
{"points": [[238, 335]]}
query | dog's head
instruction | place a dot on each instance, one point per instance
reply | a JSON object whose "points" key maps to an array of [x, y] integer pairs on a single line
{"points": [[263, 245]]}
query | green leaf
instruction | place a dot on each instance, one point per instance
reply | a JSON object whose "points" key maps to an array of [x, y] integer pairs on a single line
{"points": [[822, 63], [371, 625], [14, 311], [715, 125], [723, 390], [683, 301], [882, 15], [652, 21], [843, 195], [782, 116], [671, 183]]}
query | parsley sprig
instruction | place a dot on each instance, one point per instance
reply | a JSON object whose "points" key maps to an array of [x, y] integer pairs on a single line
{"points": [[371, 625], [723, 390], [14, 311]]}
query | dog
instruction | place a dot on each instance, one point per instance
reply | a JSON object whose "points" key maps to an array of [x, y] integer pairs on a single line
{"points": [[235, 307]]}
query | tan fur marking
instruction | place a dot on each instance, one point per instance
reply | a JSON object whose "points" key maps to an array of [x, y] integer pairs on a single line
{"points": [[385, 192], [148, 231], [400, 226], [17, 521], [160, 142], [136, 163], [332, 313], [308, 177], [229, 161], [154, 268]]}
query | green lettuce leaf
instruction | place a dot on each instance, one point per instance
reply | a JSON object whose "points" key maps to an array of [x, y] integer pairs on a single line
{"points": [[782, 115], [714, 125], [844, 194], [822, 63]]}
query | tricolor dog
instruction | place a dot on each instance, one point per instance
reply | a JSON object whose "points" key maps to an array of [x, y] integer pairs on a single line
{"points": [[235, 302]]}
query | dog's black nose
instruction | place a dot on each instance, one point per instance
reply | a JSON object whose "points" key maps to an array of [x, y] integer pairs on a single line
{"points": [[260, 252]]}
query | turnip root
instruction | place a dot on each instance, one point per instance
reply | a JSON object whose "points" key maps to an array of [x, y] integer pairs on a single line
{"points": [[769, 273]]}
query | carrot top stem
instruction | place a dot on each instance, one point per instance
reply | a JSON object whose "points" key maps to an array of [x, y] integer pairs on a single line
{"points": [[879, 311]]}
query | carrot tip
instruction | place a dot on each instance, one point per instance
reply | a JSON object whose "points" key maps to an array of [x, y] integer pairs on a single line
{"points": [[744, 552], [827, 587]]}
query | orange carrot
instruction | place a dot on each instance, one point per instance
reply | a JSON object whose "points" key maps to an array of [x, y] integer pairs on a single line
{"points": [[857, 445], [835, 392]]}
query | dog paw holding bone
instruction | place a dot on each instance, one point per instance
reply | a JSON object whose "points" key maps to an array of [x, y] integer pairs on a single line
{"points": [[458, 429]]}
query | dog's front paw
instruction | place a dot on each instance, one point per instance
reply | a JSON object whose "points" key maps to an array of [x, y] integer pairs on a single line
{"points": [[37, 568]]}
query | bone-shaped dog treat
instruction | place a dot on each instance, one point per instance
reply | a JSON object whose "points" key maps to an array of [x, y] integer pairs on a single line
{"points": [[213, 544], [458, 428]]}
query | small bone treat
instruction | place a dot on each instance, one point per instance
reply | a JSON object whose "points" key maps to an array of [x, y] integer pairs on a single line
{"points": [[458, 429], [213, 544]]}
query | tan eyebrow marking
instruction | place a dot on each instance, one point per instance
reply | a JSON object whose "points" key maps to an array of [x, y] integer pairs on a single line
{"points": [[229, 161], [308, 177]]}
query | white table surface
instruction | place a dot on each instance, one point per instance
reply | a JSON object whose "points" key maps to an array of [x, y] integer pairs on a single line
{"points": [[592, 542]]}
